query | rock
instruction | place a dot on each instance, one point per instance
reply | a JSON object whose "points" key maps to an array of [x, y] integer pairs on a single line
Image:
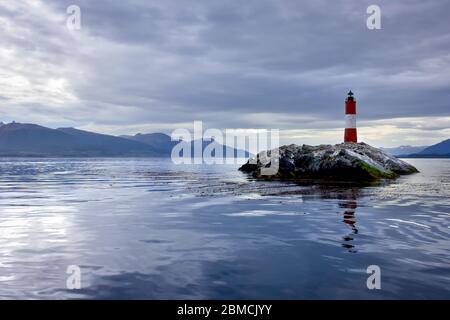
{"points": [[357, 162]]}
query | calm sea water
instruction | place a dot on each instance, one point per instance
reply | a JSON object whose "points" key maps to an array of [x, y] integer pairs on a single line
{"points": [[148, 229]]}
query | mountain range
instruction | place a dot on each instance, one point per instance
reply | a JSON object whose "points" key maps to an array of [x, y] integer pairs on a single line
{"points": [[402, 150], [32, 140], [438, 150]]}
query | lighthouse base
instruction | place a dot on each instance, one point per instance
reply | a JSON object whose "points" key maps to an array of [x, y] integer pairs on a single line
{"points": [[350, 135]]}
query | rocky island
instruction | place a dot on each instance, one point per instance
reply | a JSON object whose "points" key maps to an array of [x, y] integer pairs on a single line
{"points": [[357, 162]]}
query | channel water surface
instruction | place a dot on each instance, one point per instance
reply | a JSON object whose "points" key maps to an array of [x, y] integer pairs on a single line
{"points": [[149, 229]]}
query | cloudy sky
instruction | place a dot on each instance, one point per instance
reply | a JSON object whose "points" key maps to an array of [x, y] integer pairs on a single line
{"points": [[146, 66]]}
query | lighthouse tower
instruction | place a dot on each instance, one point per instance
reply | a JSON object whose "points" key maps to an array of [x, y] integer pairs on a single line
{"points": [[350, 119]]}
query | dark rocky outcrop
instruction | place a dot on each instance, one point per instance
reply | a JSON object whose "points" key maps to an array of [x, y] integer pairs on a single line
{"points": [[357, 162]]}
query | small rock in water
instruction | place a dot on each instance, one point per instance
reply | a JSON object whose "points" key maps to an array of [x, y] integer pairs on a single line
{"points": [[356, 162]]}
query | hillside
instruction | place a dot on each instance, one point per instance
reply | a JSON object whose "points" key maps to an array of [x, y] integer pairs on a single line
{"points": [[31, 140], [403, 150], [440, 148], [25, 139]]}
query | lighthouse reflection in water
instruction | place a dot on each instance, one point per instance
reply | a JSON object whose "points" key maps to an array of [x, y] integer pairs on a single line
{"points": [[349, 205]]}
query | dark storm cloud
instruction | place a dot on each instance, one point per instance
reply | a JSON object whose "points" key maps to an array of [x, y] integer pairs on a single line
{"points": [[224, 61]]}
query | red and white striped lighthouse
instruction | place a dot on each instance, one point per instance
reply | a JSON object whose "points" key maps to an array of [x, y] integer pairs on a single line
{"points": [[350, 119]]}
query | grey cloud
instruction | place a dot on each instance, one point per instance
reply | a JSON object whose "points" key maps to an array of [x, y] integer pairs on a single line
{"points": [[222, 61]]}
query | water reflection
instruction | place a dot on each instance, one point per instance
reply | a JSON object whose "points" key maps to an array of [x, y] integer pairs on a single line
{"points": [[350, 220], [145, 229]]}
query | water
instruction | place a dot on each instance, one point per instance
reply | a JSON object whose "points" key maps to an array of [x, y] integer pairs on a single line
{"points": [[148, 229]]}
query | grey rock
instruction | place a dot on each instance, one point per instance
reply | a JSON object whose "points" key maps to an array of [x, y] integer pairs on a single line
{"points": [[345, 161]]}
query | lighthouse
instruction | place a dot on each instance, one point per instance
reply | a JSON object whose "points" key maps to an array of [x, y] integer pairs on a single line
{"points": [[350, 119]]}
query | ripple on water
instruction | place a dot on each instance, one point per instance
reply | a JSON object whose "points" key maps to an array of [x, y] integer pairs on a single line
{"points": [[144, 228]]}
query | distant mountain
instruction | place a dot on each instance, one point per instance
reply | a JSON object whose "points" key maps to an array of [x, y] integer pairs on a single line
{"points": [[160, 141], [164, 144], [403, 150], [31, 140], [24, 139], [439, 150]]}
